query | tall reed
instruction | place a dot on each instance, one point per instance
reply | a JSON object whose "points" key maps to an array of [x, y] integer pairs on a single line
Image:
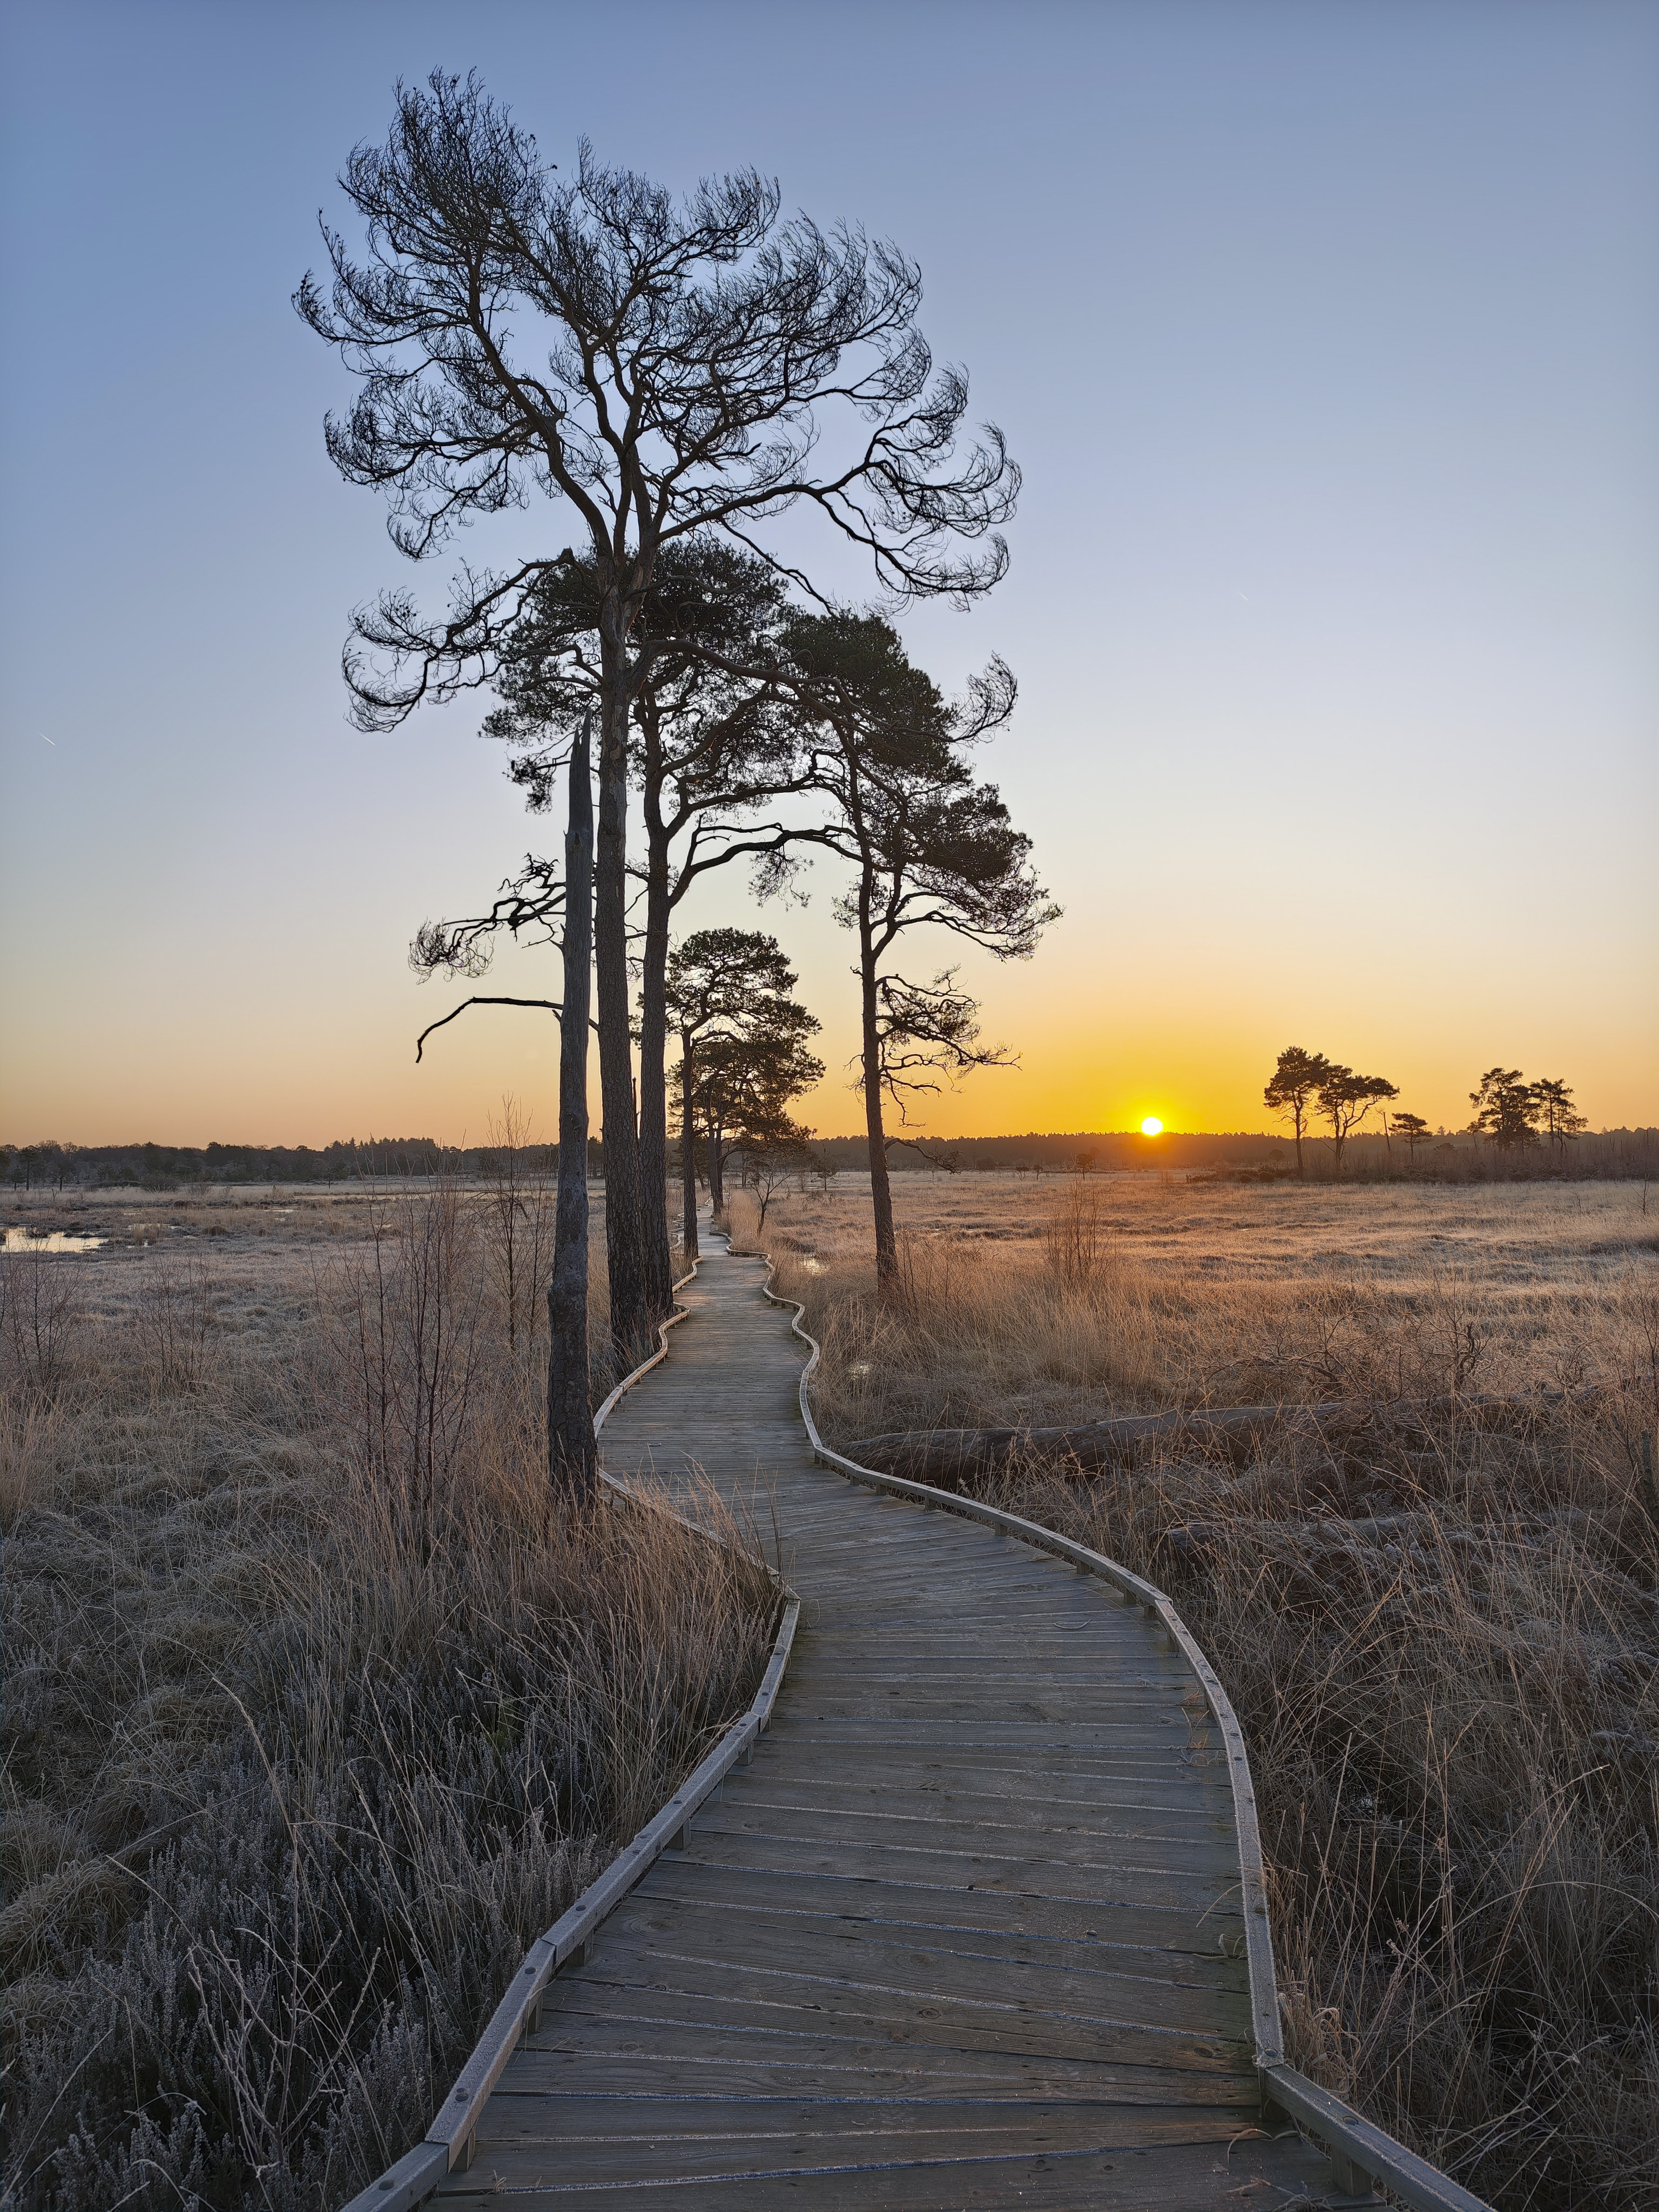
{"points": [[317, 1712]]}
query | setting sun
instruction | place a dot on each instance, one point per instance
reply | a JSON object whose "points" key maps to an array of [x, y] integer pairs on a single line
{"points": [[1151, 1126]]}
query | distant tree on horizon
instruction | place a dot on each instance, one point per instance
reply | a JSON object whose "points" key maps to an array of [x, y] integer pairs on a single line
{"points": [[720, 985], [1414, 1129], [1561, 1119], [1291, 1088], [1507, 1109], [1344, 1099], [748, 1070]]}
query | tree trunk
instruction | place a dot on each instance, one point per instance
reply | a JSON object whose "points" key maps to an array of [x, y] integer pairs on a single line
{"points": [[571, 1457], [688, 1148], [657, 1269], [630, 1320], [716, 1170], [881, 1189]]}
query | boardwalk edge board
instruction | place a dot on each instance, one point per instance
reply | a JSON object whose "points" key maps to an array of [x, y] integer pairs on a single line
{"points": [[448, 2142], [1364, 2155]]}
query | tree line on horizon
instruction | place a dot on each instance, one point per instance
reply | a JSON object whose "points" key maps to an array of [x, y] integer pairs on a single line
{"points": [[52, 1166], [1511, 1113], [55, 1164]]}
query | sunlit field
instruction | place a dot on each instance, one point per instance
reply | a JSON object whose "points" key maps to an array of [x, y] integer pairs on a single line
{"points": [[1437, 1618], [315, 1714], [1161, 1291]]}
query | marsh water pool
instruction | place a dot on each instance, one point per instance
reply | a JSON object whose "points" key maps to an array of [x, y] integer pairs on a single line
{"points": [[52, 1240]]}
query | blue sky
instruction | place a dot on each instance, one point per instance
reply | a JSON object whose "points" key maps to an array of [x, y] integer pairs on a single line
{"points": [[1327, 336]]}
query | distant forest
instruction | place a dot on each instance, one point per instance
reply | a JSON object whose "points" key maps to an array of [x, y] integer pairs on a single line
{"points": [[1463, 1157], [170, 1167]]}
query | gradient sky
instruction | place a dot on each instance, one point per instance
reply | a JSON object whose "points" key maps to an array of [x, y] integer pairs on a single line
{"points": [[1327, 335]]}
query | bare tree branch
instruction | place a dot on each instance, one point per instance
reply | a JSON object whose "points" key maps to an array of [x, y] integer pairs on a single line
{"points": [[551, 1006]]}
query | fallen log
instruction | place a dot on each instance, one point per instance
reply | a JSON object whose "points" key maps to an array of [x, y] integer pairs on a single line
{"points": [[926, 1454], [1336, 1532], [1229, 1431]]}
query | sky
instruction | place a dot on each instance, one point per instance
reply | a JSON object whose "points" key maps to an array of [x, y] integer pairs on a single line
{"points": [[1326, 334]]}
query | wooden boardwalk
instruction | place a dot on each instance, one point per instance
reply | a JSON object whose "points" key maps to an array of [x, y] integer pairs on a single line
{"points": [[965, 1934]]}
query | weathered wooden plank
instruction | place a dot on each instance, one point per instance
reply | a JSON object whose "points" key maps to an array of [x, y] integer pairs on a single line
{"points": [[1019, 1917], [1205, 2177], [1188, 1777], [1095, 1718], [1076, 1655], [670, 1946], [852, 1827], [874, 1599], [1093, 1713], [747, 1993], [1122, 1669], [922, 1676], [1129, 1886], [603, 2135], [1163, 1740], [622, 2054], [1140, 1802], [965, 1809], [753, 1909], [1173, 1765], [878, 1655], [892, 1558]]}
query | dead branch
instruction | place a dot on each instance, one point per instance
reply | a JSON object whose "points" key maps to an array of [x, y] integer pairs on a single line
{"points": [[551, 1004], [1227, 1431]]}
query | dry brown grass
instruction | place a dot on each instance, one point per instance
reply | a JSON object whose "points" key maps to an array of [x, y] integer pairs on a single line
{"points": [[1440, 1632], [1191, 1294], [316, 1712]]}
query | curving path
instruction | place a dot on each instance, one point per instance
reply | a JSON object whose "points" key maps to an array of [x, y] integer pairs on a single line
{"points": [[966, 1933]]}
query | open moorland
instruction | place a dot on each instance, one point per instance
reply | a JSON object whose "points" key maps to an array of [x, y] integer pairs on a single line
{"points": [[315, 1714], [1061, 1301], [1436, 1612]]}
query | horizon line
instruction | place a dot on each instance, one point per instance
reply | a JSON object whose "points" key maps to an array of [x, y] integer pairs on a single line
{"points": [[851, 1137]]}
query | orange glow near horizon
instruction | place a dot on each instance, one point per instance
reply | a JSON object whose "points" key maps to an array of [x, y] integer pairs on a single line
{"points": [[270, 1069]]}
